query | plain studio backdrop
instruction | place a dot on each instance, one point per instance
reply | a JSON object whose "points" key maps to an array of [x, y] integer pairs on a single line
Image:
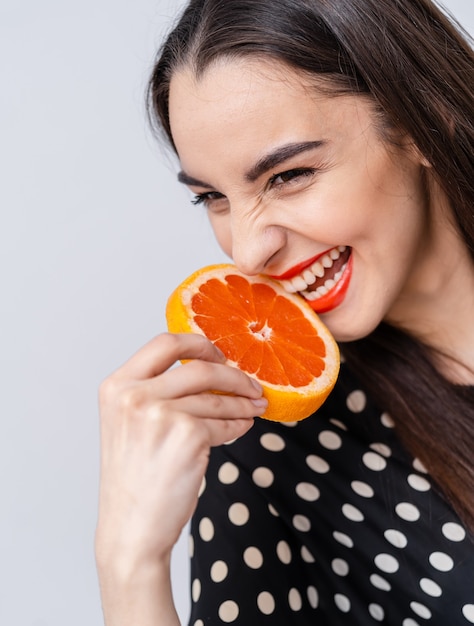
{"points": [[95, 232]]}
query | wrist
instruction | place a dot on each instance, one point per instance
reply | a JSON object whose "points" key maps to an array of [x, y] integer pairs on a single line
{"points": [[137, 592]]}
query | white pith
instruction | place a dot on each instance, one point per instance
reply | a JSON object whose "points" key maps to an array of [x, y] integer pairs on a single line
{"points": [[299, 284]]}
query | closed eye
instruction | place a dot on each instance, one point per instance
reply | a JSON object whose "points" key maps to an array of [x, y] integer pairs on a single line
{"points": [[289, 176], [206, 197]]}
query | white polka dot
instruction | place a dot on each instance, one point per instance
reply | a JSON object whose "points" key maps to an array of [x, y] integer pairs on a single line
{"points": [[307, 491], [421, 610], [302, 523], [284, 552], [356, 401], [430, 587], [202, 487], [273, 510], [289, 424], [382, 449], [338, 423], [239, 514], [380, 583], [407, 511], [306, 555], [418, 465], [206, 529], [342, 602], [265, 603], [352, 513], [272, 442], [362, 489], [343, 539], [418, 483], [219, 571], [229, 611], [340, 567], [262, 477], [441, 561], [409, 622], [317, 464], [330, 440], [199, 622], [387, 563], [294, 600], [253, 557], [228, 473], [191, 546], [396, 538], [387, 421], [468, 612], [377, 612], [313, 597], [453, 531], [196, 589], [374, 461]]}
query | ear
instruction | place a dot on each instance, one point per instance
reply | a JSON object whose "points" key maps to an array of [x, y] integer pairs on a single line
{"points": [[417, 155], [423, 160]]}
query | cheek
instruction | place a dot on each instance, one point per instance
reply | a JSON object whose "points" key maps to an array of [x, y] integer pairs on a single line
{"points": [[220, 225]]}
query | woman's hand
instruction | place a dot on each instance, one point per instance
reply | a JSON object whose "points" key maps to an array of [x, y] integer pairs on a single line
{"points": [[157, 427]]}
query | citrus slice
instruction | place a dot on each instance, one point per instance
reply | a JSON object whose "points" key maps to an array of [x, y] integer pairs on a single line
{"points": [[271, 335]]}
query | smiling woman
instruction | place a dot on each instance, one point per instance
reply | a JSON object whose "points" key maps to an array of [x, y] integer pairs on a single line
{"points": [[308, 174], [331, 145]]}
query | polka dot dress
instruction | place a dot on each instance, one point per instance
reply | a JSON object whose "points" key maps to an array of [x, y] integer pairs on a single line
{"points": [[328, 522]]}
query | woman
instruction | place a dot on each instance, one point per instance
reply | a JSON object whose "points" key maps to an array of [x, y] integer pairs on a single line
{"points": [[309, 129]]}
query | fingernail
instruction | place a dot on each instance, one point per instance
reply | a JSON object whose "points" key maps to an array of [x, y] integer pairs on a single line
{"points": [[260, 402], [257, 385], [220, 354]]}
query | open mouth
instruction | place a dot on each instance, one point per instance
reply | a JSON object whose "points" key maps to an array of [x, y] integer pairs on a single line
{"points": [[321, 278]]}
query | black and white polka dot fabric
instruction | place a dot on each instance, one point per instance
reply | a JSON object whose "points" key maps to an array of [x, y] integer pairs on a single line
{"points": [[327, 522]]}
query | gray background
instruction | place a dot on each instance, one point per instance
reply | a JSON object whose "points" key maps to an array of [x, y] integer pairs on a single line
{"points": [[94, 234]]}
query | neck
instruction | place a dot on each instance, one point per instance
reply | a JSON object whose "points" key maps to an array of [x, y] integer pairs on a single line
{"points": [[438, 308]]}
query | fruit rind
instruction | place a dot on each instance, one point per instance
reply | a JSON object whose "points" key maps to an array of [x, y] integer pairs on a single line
{"points": [[284, 405]]}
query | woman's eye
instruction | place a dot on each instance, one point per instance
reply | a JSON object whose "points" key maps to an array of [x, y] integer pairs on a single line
{"points": [[213, 201], [206, 198], [290, 175]]}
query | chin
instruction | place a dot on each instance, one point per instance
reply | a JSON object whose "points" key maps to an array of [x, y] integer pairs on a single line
{"points": [[344, 330]]}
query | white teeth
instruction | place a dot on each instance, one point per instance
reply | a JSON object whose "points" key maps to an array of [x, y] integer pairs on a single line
{"points": [[299, 283], [318, 269], [287, 285], [326, 261], [309, 277]]}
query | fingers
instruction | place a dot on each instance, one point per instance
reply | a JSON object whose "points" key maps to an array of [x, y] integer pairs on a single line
{"points": [[164, 350], [218, 406], [201, 376]]}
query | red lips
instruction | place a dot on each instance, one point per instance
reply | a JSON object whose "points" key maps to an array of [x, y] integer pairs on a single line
{"points": [[335, 296]]}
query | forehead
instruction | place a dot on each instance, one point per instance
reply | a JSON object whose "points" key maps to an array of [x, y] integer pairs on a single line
{"points": [[250, 106], [233, 89]]}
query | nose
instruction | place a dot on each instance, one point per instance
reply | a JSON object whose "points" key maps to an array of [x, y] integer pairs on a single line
{"points": [[255, 244]]}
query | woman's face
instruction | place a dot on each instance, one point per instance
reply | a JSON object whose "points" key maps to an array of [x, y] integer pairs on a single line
{"points": [[300, 186]]}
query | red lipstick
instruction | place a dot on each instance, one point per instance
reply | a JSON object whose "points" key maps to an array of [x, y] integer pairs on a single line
{"points": [[336, 295], [297, 269]]}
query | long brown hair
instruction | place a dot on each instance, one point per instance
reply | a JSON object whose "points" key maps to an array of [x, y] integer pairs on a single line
{"points": [[418, 67]]}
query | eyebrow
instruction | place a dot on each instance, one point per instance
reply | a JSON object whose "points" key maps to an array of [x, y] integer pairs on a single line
{"points": [[281, 154], [267, 162]]}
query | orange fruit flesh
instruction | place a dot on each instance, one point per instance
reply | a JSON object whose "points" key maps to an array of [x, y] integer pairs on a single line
{"points": [[273, 336]]}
